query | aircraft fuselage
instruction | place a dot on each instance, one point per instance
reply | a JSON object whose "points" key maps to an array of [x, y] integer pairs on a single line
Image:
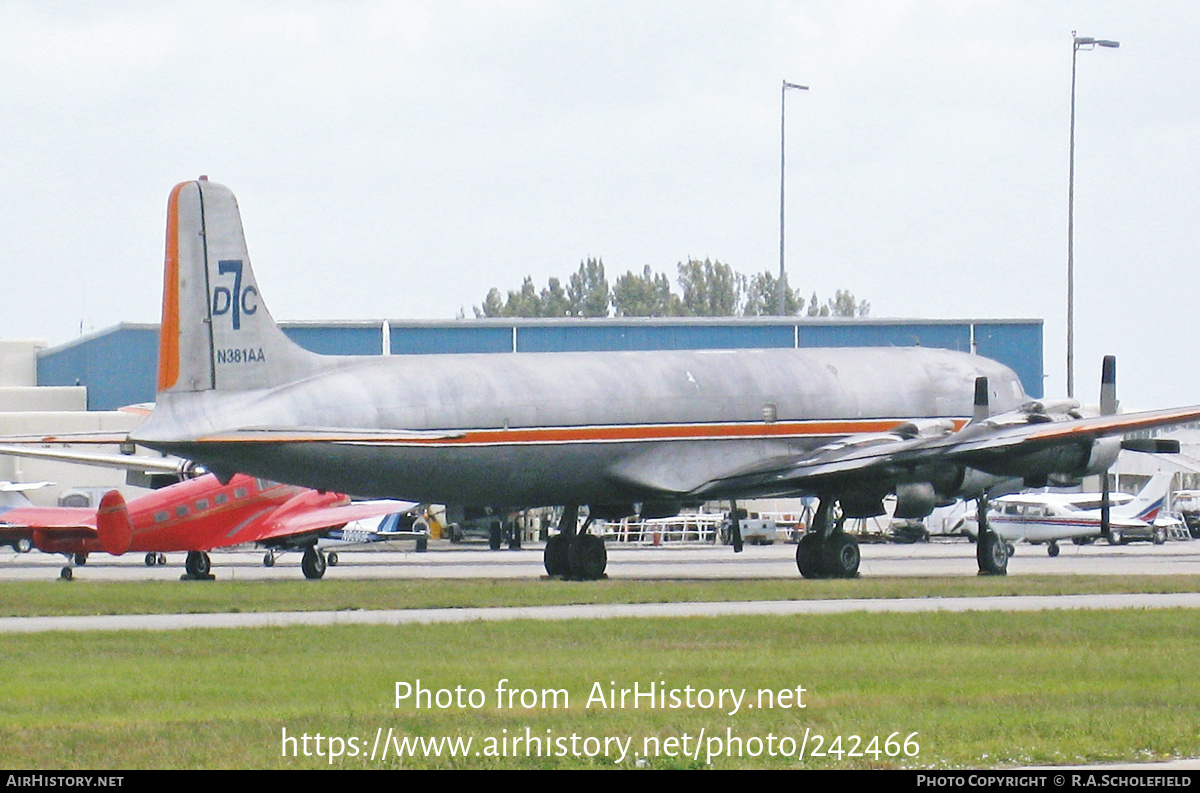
{"points": [[552, 428]]}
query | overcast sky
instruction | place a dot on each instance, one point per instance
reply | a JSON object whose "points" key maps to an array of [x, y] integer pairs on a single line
{"points": [[398, 159]]}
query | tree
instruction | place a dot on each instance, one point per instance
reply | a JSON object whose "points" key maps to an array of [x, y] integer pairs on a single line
{"points": [[555, 302], [645, 295], [493, 305], [843, 305], [524, 303], [588, 292], [710, 288], [762, 297]]}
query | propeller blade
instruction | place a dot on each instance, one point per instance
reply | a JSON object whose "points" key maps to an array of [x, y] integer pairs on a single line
{"points": [[1108, 386], [735, 528], [1151, 445], [982, 406]]}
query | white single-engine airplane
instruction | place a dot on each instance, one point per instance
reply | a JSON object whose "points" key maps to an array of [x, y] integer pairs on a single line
{"points": [[1050, 517], [622, 432]]}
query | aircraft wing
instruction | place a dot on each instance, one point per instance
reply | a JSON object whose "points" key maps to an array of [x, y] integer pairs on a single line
{"points": [[271, 526], [1003, 445], [999, 441]]}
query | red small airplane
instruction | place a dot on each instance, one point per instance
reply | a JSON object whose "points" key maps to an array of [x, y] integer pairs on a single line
{"points": [[195, 515]]}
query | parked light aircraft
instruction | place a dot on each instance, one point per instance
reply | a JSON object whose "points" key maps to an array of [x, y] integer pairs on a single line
{"points": [[621, 432], [378, 532], [1050, 517], [195, 515]]}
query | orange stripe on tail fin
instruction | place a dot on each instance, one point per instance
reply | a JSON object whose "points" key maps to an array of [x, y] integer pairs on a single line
{"points": [[168, 334]]}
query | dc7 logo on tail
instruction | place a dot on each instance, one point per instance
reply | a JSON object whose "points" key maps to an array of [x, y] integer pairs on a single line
{"points": [[239, 301]]}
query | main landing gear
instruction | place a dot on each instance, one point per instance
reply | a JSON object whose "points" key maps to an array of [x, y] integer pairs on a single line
{"points": [[825, 551], [313, 563], [991, 552], [578, 556], [197, 567]]}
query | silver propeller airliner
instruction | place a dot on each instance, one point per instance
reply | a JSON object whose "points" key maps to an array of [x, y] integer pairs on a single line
{"points": [[620, 432]]}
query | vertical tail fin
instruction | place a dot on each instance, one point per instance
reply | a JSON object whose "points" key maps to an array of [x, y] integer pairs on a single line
{"points": [[114, 528], [1153, 498], [216, 332]]}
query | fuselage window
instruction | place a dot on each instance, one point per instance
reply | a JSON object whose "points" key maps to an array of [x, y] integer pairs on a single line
{"points": [[221, 498], [181, 510], [159, 517], [241, 492], [202, 504]]}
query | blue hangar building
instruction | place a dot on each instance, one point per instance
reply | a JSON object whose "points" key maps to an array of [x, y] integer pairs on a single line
{"points": [[118, 365]]}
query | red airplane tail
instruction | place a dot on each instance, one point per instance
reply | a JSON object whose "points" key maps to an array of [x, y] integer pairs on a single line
{"points": [[114, 528]]}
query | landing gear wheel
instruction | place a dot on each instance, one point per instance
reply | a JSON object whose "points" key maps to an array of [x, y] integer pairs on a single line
{"points": [[1008, 546], [555, 555], [808, 556], [151, 559], [422, 544], [331, 559], [66, 574], [268, 559], [81, 559], [23, 545], [198, 565], [312, 563], [587, 558], [495, 536], [1115, 537], [1052, 549], [162, 559], [514, 539], [991, 553], [1160, 535], [840, 556]]}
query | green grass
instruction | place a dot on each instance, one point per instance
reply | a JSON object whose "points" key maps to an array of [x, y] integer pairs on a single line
{"points": [[980, 689], [53, 598]]}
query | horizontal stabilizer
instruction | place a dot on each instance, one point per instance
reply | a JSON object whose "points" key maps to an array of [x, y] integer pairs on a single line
{"points": [[127, 462]]}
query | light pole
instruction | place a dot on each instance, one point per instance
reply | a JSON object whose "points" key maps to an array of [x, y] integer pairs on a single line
{"points": [[1079, 43], [781, 307]]}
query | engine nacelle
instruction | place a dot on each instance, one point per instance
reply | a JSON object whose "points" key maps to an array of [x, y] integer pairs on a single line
{"points": [[612, 512], [1083, 458], [1104, 454], [915, 500], [861, 505]]}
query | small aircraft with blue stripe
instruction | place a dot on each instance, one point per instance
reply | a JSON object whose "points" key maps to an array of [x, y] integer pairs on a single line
{"points": [[1050, 517]]}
